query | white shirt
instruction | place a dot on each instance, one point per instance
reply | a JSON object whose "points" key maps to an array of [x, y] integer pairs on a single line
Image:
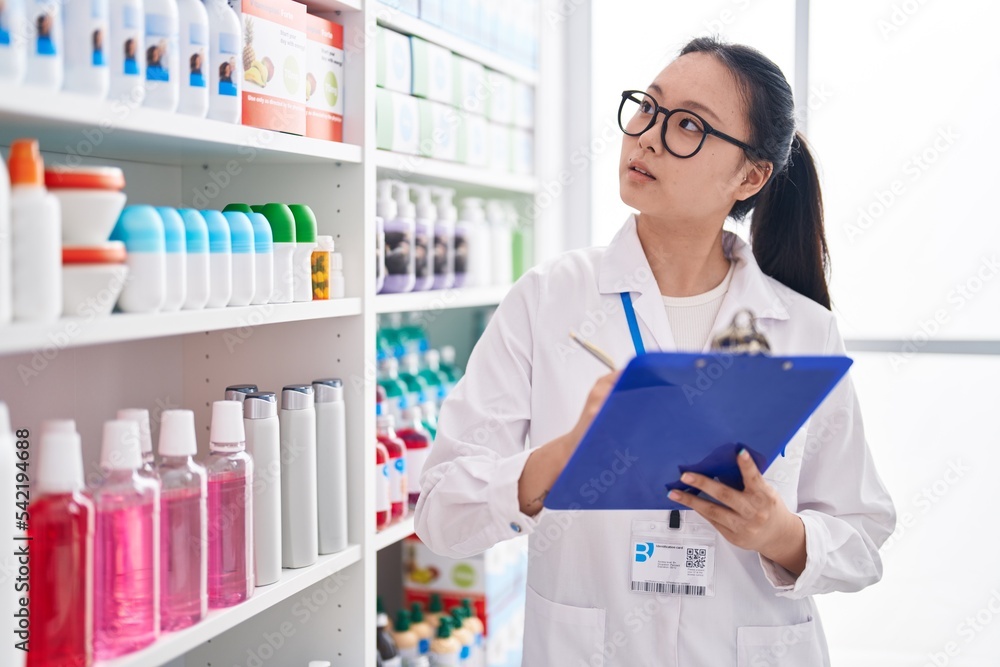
{"points": [[691, 317], [526, 381]]}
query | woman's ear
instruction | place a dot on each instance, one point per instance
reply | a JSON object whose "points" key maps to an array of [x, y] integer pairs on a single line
{"points": [[755, 177]]}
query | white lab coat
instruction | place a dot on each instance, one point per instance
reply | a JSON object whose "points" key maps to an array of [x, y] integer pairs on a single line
{"points": [[527, 380]]}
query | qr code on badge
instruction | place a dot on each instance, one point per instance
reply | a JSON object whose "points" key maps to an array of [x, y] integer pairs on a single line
{"points": [[696, 558]]}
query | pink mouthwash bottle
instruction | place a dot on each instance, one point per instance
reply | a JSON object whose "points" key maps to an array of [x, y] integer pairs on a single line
{"points": [[183, 524], [126, 547], [230, 509]]}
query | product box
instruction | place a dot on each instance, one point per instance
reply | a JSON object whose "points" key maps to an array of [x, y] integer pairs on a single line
{"points": [[473, 138], [500, 147], [324, 79], [274, 64], [522, 151], [432, 11], [438, 130], [501, 106], [524, 105], [432, 71], [494, 581], [450, 15], [470, 89], [393, 61], [396, 122]]}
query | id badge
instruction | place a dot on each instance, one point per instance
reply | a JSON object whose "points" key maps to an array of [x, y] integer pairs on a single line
{"points": [[673, 561]]}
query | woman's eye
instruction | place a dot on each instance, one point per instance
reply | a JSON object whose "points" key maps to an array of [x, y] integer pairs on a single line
{"points": [[690, 124], [646, 107]]}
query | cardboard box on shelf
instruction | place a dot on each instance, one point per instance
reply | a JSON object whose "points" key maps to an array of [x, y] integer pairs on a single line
{"points": [[324, 79], [500, 156], [523, 152], [473, 140], [471, 91], [393, 61], [432, 71], [501, 107], [438, 130], [494, 582], [396, 122], [274, 64], [524, 105]]}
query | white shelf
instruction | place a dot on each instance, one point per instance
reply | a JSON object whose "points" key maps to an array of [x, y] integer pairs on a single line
{"points": [[176, 644], [321, 6], [394, 533], [413, 168], [465, 297], [411, 25], [76, 332], [87, 126]]}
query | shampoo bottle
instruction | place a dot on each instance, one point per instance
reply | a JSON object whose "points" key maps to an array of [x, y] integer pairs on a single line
{"points": [[399, 232], [127, 547], [225, 78], [36, 232], [282, 223], [176, 259], [183, 524], [239, 393], [194, 65], [260, 419], [243, 265], [230, 509], [305, 242], [127, 51], [444, 239], [198, 287], [86, 39], [162, 60], [61, 530], [220, 260], [472, 219], [331, 464], [13, 51], [423, 239], [299, 518], [45, 44]]}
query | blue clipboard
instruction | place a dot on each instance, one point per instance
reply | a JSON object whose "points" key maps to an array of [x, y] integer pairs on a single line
{"points": [[675, 412]]}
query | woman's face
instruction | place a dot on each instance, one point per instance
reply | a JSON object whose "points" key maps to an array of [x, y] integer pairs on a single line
{"points": [[706, 185]]}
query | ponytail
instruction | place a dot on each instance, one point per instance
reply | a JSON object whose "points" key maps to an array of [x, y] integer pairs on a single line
{"points": [[786, 227]]}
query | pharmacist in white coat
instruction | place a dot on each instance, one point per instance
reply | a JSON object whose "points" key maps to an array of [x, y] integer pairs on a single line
{"points": [[712, 136]]}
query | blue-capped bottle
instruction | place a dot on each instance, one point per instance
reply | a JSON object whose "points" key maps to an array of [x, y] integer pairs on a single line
{"points": [[220, 260], [241, 235], [196, 259], [176, 259], [141, 229]]}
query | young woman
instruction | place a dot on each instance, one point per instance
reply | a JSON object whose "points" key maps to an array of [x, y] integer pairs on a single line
{"points": [[713, 136]]}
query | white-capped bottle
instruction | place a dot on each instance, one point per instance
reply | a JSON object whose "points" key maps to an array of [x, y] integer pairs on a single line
{"points": [[220, 259], [174, 235], [196, 259], [501, 243], [127, 51], [260, 419], [331, 464], [13, 49], [162, 60], [194, 68], [36, 232], [299, 520], [225, 79], [242, 248], [183, 523], [141, 417], [45, 44], [86, 39], [473, 232]]}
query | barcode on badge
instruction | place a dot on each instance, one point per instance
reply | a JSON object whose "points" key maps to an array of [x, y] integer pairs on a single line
{"points": [[670, 589], [696, 558]]}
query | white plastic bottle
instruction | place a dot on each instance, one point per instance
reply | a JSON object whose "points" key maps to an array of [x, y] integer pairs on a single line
{"points": [[444, 238], [399, 231], [141, 229], [126, 51], [6, 288], [36, 233], [423, 239], [86, 43], [260, 419], [162, 60], [242, 247], [331, 464], [45, 44], [196, 259], [472, 221], [501, 243], [141, 417], [220, 260], [225, 79], [194, 64], [176, 247], [299, 520], [13, 48], [385, 209], [263, 244], [338, 287]]}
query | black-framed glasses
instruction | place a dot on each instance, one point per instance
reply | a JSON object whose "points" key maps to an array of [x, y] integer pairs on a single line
{"points": [[683, 132]]}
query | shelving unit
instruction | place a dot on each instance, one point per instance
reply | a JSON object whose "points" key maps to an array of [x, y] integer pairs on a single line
{"points": [[88, 368]]}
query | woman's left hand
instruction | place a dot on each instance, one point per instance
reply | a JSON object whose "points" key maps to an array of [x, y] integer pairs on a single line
{"points": [[755, 518]]}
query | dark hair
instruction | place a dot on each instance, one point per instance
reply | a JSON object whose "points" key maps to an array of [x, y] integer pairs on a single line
{"points": [[786, 227]]}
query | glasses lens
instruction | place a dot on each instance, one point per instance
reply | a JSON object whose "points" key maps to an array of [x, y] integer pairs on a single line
{"points": [[685, 133], [636, 113]]}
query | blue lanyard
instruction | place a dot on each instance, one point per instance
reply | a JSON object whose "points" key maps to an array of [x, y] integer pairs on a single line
{"points": [[633, 325]]}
